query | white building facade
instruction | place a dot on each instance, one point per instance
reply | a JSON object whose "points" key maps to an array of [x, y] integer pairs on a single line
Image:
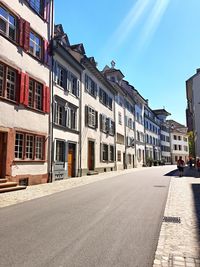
{"points": [[24, 90]]}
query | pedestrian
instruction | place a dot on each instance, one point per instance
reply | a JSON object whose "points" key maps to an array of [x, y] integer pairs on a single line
{"points": [[180, 166], [190, 163], [198, 166]]}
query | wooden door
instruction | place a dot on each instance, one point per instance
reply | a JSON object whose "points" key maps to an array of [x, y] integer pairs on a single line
{"points": [[71, 160], [3, 148], [91, 155]]}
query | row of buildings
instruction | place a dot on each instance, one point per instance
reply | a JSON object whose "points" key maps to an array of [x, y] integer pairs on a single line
{"points": [[60, 116]]}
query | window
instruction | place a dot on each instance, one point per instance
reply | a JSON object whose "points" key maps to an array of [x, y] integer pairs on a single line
{"points": [[60, 114], [35, 95], [120, 118], [105, 99], [130, 123], [61, 76], [111, 127], [175, 147], [37, 5], [29, 146], [186, 148], [91, 117], [111, 153], [7, 24], [179, 138], [72, 118], [35, 45], [175, 137], [90, 86], [8, 82], [74, 85], [60, 151], [179, 147], [119, 157], [105, 152], [185, 139]]}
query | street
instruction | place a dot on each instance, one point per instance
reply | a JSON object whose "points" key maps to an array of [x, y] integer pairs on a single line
{"points": [[114, 222]]}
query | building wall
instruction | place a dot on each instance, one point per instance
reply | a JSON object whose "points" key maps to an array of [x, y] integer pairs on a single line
{"points": [[177, 153], [18, 116]]}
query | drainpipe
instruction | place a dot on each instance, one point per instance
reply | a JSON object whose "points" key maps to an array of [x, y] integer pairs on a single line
{"points": [[50, 141], [80, 128], [115, 136], [125, 135]]}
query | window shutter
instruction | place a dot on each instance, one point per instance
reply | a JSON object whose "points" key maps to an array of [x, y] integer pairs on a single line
{"points": [[26, 92], [86, 82], [101, 122], [96, 119], [78, 88], [68, 80], [47, 11], [46, 56], [113, 128], [101, 152], [46, 99], [55, 71], [86, 115], [21, 32], [95, 90], [54, 111], [107, 125], [21, 87], [26, 35], [65, 74]]}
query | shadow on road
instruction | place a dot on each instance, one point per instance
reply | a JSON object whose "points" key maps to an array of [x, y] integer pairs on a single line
{"points": [[196, 195], [188, 172]]}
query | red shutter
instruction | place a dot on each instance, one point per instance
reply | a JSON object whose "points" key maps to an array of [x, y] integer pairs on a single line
{"points": [[47, 99], [22, 88], [21, 32], [26, 35], [44, 98], [26, 92]]}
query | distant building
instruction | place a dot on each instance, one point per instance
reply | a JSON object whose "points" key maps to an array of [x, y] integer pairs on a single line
{"points": [[164, 135], [179, 141]]}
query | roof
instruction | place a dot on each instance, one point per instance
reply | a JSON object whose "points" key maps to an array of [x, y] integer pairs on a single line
{"points": [[161, 112]]}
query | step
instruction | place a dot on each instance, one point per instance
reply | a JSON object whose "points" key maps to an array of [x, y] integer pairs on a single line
{"points": [[92, 173], [3, 180], [10, 189], [8, 184]]}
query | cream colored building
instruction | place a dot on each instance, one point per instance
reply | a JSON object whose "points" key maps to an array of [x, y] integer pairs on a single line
{"points": [[179, 141]]}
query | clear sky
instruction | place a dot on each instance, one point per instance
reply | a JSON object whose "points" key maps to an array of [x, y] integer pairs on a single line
{"points": [[155, 43]]}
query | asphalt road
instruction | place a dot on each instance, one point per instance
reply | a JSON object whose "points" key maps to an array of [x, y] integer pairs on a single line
{"points": [[113, 222]]}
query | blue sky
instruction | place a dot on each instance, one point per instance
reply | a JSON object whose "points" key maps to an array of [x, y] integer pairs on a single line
{"points": [[155, 43]]}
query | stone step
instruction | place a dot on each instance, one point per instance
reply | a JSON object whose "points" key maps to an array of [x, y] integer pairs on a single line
{"points": [[92, 173], [3, 180], [8, 184], [10, 189]]}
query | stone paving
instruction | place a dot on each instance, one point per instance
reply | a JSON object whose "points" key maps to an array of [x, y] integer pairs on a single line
{"points": [[179, 243]]}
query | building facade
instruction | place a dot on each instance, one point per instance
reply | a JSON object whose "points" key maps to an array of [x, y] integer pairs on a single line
{"points": [[193, 108], [67, 75], [179, 141], [24, 90]]}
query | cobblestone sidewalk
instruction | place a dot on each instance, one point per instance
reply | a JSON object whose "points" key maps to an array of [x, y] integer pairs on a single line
{"points": [[179, 242]]}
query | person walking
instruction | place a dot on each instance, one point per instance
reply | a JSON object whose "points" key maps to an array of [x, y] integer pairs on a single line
{"points": [[180, 166]]}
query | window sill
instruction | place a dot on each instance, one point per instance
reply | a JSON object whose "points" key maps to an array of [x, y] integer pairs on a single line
{"points": [[8, 39], [28, 161], [14, 102]]}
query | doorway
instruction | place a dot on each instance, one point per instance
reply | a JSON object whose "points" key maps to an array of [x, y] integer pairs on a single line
{"points": [[91, 154], [124, 161], [71, 160], [3, 150], [133, 161]]}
